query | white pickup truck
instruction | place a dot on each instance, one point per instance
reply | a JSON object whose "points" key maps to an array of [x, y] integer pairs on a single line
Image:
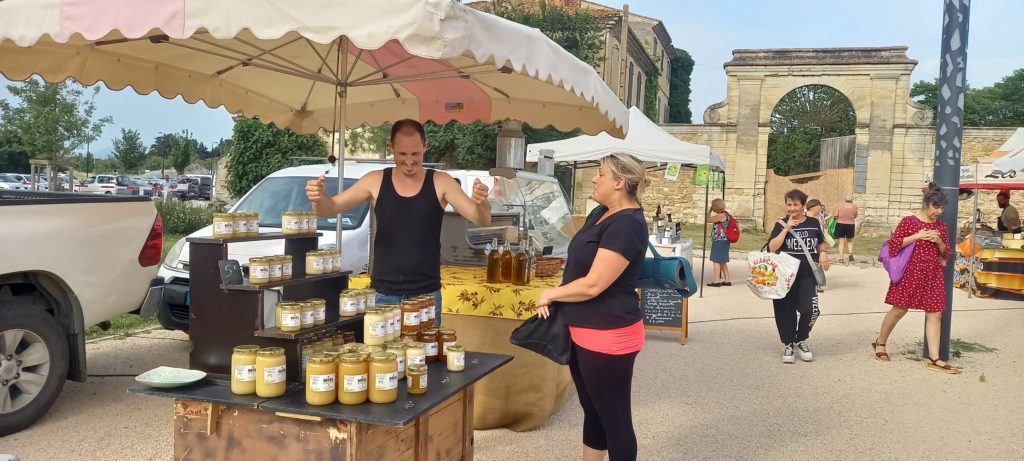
{"points": [[67, 261]]}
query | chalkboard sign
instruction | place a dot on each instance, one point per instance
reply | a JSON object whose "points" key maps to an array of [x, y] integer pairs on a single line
{"points": [[662, 308], [230, 272]]}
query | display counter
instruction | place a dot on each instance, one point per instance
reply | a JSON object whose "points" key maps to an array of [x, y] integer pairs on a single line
{"points": [[212, 423], [525, 393], [994, 273]]}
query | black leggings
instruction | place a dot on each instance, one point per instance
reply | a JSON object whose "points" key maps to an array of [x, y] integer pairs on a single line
{"points": [[603, 382], [803, 299]]}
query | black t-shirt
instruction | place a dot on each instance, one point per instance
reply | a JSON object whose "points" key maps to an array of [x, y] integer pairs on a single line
{"points": [[810, 232], [625, 233]]}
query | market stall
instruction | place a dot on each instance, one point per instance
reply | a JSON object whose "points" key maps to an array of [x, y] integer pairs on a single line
{"points": [[318, 67], [990, 263]]}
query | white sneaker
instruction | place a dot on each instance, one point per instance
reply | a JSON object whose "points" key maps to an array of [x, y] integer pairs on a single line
{"points": [[804, 351], [788, 354]]}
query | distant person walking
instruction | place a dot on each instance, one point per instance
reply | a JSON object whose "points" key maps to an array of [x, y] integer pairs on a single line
{"points": [[922, 284], [719, 243], [846, 221], [796, 313], [815, 209]]}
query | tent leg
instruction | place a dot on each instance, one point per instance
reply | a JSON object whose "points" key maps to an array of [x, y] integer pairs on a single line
{"points": [[340, 132], [974, 241], [704, 244]]}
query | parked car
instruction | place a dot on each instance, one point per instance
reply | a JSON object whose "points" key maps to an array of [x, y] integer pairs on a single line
{"points": [[186, 189], [145, 189], [51, 290], [105, 184], [204, 186], [24, 179], [8, 182]]}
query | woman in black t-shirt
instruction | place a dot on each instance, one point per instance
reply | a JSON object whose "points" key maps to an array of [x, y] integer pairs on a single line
{"points": [[599, 302], [802, 298]]}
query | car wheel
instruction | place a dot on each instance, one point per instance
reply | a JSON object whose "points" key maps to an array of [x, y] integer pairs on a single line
{"points": [[108, 193], [33, 365]]}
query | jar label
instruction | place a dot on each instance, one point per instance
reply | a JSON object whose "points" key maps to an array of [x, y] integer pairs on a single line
{"points": [[350, 306], [275, 270], [423, 381], [286, 268], [370, 301], [307, 318], [293, 224], [431, 348], [273, 375], [417, 360], [355, 383], [401, 363], [328, 264], [245, 373], [304, 224], [320, 313], [377, 328], [259, 272], [337, 262], [253, 226], [411, 319], [393, 325], [446, 344], [430, 313], [424, 316], [291, 319], [322, 383], [318, 264], [223, 227], [387, 381], [460, 360]]}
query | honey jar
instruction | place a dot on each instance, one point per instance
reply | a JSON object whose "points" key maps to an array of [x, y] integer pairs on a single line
{"points": [[259, 271], [352, 378], [456, 358], [383, 378], [429, 339], [445, 338], [291, 317], [271, 372], [321, 381], [417, 379], [243, 370], [223, 225]]}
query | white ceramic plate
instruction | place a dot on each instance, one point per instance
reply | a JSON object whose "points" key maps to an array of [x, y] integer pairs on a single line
{"points": [[170, 377]]}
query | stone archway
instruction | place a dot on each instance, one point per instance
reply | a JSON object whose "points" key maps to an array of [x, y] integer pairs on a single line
{"points": [[877, 83]]}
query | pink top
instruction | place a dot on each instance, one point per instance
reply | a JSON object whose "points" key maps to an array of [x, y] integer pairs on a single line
{"points": [[616, 341], [846, 214]]}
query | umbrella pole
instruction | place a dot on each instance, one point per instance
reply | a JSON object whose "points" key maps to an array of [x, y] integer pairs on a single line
{"points": [[971, 284], [339, 132], [704, 243]]}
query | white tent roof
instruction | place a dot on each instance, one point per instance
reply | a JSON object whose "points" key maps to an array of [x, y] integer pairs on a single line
{"points": [[1010, 156], [645, 140]]}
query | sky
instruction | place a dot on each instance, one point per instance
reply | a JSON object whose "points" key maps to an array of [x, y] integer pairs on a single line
{"points": [[709, 31]]}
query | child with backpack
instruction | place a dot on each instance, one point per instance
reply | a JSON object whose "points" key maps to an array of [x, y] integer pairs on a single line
{"points": [[724, 232]]}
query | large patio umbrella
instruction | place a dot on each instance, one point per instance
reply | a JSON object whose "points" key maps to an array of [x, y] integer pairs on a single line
{"points": [[316, 64]]}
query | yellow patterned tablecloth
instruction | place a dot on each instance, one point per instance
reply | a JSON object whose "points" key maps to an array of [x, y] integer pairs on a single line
{"points": [[465, 292], [523, 394]]}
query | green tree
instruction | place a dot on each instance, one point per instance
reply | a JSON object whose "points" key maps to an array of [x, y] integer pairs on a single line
{"points": [[926, 93], [800, 119], [88, 163], [13, 156], [1001, 104], [368, 138], [579, 31], [129, 151], [259, 149], [679, 88], [183, 150], [162, 147], [54, 120]]}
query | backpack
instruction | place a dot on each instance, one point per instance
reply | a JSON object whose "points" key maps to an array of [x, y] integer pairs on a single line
{"points": [[732, 232]]}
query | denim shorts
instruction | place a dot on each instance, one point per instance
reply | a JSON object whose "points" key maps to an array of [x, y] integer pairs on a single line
{"points": [[397, 299]]}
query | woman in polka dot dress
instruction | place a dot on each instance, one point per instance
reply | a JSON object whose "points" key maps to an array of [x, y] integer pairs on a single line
{"points": [[922, 286]]}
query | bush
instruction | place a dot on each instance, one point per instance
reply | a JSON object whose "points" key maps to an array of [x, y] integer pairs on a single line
{"points": [[182, 217]]}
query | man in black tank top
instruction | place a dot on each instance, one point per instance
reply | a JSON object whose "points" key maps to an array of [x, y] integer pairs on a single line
{"points": [[408, 202]]}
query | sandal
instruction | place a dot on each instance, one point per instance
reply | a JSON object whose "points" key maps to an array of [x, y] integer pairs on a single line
{"points": [[725, 284], [882, 356], [714, 284], [943, 368]]}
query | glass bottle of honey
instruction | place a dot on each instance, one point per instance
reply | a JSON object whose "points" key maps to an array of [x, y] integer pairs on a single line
{"points": [[494, 262], [521, 266], [506, 264]]}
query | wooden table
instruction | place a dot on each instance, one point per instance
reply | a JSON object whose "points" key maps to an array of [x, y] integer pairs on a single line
{"points": [[212, 423]]}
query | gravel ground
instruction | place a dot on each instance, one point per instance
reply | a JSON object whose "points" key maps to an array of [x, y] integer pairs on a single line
{"points": [[725, 395]]}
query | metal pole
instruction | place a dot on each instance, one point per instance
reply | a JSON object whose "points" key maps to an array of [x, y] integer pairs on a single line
{"points": [[949, 134], [340, 132], [704, 243], [974, 239]]}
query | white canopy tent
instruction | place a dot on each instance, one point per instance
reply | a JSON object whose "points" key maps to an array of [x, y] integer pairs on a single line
{"points": [[645, 140]]}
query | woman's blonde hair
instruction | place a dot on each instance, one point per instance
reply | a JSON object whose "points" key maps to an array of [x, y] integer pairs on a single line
{"points": [[718, 205], [630, 169]]}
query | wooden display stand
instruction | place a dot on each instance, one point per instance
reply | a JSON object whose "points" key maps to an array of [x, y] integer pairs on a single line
{"points": [[210, 422]]}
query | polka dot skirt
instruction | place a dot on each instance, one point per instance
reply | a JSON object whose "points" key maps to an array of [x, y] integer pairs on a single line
{"points": [[922, 286]]}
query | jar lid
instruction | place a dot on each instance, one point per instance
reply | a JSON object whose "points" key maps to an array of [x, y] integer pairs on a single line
{"points": [[332, 355], [414, 344], [383, 357], [313, 253], [371, 349], [271, 351], [223, 215], [321, 358], [306, 347], [395, 347], [457, 348], [257, 259], [352, 357], [446, 331], [416, 369], [291, 307], [247, 349], [317, 300], [431, 331]]}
